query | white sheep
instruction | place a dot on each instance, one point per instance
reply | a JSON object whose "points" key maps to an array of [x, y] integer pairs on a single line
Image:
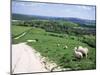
{"points": [[84, 51], [78, 55], [65, 47], [58, 45]]}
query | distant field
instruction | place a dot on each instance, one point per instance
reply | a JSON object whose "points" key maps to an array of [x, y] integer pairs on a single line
{"points": [[47, 46], [16, 30]]}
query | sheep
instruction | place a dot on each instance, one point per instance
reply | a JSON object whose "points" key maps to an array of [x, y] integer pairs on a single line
{"points": [[78, 55], [65, 47], [84, 51], [58, 45]]}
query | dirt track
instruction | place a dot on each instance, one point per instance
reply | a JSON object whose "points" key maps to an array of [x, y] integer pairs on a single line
{"points": [[25, 59]]}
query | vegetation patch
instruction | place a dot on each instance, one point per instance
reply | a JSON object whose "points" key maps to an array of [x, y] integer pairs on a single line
{"points": [[47, 46]]}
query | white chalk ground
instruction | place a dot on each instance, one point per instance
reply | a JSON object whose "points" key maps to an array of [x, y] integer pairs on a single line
{"points": [[25, 60]]}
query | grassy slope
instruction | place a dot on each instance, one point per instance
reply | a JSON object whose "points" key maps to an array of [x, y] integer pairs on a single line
{"points": [[47, 46], [16, 30]]}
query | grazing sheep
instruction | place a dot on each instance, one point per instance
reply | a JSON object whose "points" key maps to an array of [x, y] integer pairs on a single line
{"points": [[58, 45], [65, 47], [78, 54], [84, 51]]}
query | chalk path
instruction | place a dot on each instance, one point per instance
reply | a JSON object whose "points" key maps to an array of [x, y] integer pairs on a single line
{"points": [[25, 59]]}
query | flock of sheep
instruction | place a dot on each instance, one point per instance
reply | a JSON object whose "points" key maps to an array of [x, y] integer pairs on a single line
{"points": [[79, 52]]}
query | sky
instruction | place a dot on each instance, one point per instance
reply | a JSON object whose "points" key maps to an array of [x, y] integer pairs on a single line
{"points": [[54, 10]]}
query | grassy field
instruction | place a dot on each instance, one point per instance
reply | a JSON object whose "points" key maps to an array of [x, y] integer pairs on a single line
{"points": [[47, 46], [17, 30]]}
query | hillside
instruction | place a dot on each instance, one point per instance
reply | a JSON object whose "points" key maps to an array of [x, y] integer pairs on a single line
{"points": [[31, 17]]}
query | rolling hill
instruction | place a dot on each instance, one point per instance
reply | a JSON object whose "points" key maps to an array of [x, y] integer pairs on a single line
{"points": [[71, 19]]}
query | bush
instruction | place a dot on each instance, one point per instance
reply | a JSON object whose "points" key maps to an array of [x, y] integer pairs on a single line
{"points": [[90, 40]]}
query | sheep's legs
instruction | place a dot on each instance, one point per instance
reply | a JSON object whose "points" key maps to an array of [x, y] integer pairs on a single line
{"points": [[86, 55], [82, 56]]}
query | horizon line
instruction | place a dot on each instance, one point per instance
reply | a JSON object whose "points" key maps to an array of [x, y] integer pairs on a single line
{"points": [[52, 16]]}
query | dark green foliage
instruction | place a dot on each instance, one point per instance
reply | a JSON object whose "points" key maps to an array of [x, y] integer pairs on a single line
{"points": [[90, 40], [21, 17], [65, 27]]}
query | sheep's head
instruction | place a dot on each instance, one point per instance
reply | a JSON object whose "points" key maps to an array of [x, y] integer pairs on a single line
{"points": [[75, 48], [80, 47]]}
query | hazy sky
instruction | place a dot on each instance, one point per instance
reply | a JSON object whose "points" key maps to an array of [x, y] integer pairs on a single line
{"points": [[55, 10]]}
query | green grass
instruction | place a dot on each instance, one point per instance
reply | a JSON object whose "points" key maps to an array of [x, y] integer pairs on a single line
{"points": [[16, 30], [47, 46]]}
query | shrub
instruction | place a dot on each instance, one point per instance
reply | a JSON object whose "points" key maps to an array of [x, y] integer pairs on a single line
{"points": [[90, 40]]}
